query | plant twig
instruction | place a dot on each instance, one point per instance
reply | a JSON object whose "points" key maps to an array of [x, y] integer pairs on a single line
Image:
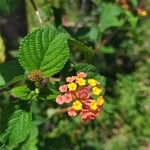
{"points": [[23, 78], [63, 110], [36, 11], [83, 4], [106, 40]]}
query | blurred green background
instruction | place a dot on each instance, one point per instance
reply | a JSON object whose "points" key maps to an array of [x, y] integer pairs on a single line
{"points": [[120, 39]]}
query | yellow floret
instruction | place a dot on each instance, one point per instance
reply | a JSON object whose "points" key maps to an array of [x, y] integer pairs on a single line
{"points": [[81, 81], [77, 105], [96, 90], [100, 101], [93, 105], [72, 86], [92, 82]]}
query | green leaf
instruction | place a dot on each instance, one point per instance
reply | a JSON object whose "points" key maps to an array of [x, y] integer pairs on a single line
{"points": [[80, 46], [109, 16], [93, 34], [32, 140], [19, 126], [133, 20], [44, 49], [101, 79], [21, 92], [108, 107], [84, 67], [134, 3], [13, 81], [51, 97]]}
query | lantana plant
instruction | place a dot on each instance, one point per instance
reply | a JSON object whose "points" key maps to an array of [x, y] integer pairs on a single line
{"points": [[44, 56], [51, 74]]}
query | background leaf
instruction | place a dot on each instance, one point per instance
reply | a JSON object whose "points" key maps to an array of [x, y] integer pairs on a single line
{"points": [[80, 46], [109, 14], [10, 70]]}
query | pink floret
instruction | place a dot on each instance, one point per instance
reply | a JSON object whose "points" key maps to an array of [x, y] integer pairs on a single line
{"points": [[60, 99], [63, 88], [68, 98], [87, 115], [81, 75], [71, 112], [70, 79]]}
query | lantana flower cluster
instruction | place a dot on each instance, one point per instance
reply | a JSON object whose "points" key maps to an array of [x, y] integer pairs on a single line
{"points": [[83, 96]]}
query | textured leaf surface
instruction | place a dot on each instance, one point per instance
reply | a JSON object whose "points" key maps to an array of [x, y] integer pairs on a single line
{"points": [[19, 126], [32, 140], [108, 107], [21, 92], [84, 67], [44, 49]]}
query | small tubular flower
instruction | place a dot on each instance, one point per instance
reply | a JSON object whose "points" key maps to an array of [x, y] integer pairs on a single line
{"points": [[68, 98], [70, 79], [77, 105], [63, 88], [81, 81], [72, 112], [96, 90], [81, 74], [93, 105], [83, 95], [60, 99], [72, 86], [92, 82], [100, 101], [86, 115]]}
